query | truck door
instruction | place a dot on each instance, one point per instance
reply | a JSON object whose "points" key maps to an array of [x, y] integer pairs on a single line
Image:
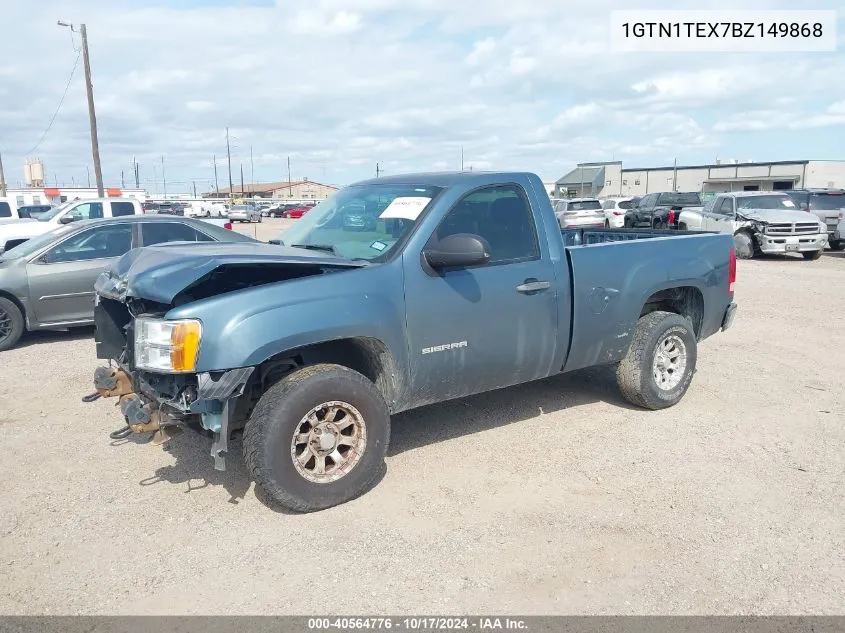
{"points": [[489, 326], [721, 219]]}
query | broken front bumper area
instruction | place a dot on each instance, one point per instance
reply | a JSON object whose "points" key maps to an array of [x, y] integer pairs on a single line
{"points": [[161, 404]]}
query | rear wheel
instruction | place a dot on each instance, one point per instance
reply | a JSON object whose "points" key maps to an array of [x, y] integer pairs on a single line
{"points": [[744, 245], [837, 245], [659, 366], [812, 254], [11, 324], [659, 225], [317, 438]]}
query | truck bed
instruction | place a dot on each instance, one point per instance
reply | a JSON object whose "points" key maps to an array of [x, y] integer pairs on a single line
{"points": [[613, 273], [584, 237]]}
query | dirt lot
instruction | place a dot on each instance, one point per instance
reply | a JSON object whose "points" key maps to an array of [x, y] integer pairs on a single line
{"points": [[554, 497]]}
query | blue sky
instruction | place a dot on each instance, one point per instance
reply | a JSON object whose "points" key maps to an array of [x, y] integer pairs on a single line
{"points": [[339, 85]]}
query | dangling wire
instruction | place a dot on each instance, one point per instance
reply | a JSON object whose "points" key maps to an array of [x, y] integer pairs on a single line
{"points": [[78, 51]]}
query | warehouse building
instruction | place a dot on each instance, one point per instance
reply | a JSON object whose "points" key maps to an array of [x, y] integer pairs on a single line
{"points": [[601, 180], [295, 190]]}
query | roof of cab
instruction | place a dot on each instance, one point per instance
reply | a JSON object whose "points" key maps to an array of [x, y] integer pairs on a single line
{"points": [[439, 178]]}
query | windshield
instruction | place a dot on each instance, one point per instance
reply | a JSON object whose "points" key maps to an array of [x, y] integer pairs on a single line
{"points": [[361, 221], [33, 244], [52, 213], [680, 199], [782, 203], [827, 201], [584, 205]]}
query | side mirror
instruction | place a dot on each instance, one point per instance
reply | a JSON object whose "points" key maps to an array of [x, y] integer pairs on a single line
{"points": [[67, 219], [460, 250]]}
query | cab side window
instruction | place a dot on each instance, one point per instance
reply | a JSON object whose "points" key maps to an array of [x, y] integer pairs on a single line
{"points": [[87, 211], [500, 215], [122, 208]]}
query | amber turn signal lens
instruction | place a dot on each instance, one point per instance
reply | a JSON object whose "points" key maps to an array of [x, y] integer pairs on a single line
{"points": [[185, 343]]}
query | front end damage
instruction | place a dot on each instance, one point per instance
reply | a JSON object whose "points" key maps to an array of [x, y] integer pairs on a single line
{"points": [[783, 235], [165, 405], [148, 283]]}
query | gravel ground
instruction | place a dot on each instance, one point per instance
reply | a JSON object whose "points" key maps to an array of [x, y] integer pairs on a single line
{"points": [[550, 498]]}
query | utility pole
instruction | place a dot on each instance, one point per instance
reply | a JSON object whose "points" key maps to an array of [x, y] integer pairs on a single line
{"points": [[195, 188], [378, 170], [229, 158], [163, 178], [242, 179], [95, 145], [2, 178], [216, 186], [122, 181], [290, 187], [137, 178], [88, 171], [675, 176], [251, 172]]}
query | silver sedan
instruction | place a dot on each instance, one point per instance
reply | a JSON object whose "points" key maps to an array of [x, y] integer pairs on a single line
{"points": [[48, 281]]}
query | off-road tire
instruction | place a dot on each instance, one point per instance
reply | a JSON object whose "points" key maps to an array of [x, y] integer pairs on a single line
{"points": [[682, 226], [634, 374], [271, 426], [11, 314], [658, 225], [744, 245], [812, 255]]}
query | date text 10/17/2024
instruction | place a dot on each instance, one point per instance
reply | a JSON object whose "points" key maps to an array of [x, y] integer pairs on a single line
{"points": [[417, 623]]}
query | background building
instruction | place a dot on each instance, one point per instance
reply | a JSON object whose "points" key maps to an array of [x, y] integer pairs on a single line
{"points": [[57, 195], [611, 179], [296, 190]]}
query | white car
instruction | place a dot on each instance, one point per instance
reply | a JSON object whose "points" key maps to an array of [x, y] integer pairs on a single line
{"points": [[579, 213], [614, 211], [14, 232]]}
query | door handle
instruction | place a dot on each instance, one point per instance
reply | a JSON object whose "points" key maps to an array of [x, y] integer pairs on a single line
{"points": [[533, 285]]}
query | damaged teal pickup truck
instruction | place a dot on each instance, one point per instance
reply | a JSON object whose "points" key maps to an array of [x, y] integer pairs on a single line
{"points": [[443, 286]]}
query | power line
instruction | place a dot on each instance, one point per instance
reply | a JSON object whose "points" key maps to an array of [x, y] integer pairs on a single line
{"points": [[61, 101]]}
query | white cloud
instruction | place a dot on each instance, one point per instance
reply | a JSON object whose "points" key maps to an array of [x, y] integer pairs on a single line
{"points": [[339, 85]]}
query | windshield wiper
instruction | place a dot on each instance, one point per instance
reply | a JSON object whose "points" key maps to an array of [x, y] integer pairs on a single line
{"points": [[318, 247]]}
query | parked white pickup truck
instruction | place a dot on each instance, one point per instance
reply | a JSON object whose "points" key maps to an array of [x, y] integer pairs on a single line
{"points": [[14, 231], [761, 222]]}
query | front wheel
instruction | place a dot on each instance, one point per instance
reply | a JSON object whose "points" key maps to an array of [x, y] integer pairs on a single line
{"points": [[744, 245], [317, 438], [659, 366], [837, 245], [11, 324], [812, 255]]}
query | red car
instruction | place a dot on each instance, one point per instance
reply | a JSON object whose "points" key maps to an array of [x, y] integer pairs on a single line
{"points": [[295, 212]]}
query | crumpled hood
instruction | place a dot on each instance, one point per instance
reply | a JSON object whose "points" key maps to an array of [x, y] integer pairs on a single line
{"points": [[159, 273], [778, 215]]}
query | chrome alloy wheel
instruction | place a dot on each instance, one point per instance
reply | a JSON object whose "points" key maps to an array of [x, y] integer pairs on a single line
{"points": [[328, 442], [670, 362]]}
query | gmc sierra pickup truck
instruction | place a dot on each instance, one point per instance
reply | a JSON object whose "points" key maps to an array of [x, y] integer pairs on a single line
{"points": [[466, 284]]}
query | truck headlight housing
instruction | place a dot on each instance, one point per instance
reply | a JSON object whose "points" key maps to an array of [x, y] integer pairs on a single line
{"points": [[167, 346]]}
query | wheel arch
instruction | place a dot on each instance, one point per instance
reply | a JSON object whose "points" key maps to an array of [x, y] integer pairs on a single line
{"points": [[686, 301], [8, 295], [368, 356]]}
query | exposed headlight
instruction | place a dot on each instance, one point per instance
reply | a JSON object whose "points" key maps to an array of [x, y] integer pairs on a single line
{"points": [[167, 346]]}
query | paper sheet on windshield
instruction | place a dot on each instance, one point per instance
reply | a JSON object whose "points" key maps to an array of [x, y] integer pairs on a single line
{"points": [[408, 208]]}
